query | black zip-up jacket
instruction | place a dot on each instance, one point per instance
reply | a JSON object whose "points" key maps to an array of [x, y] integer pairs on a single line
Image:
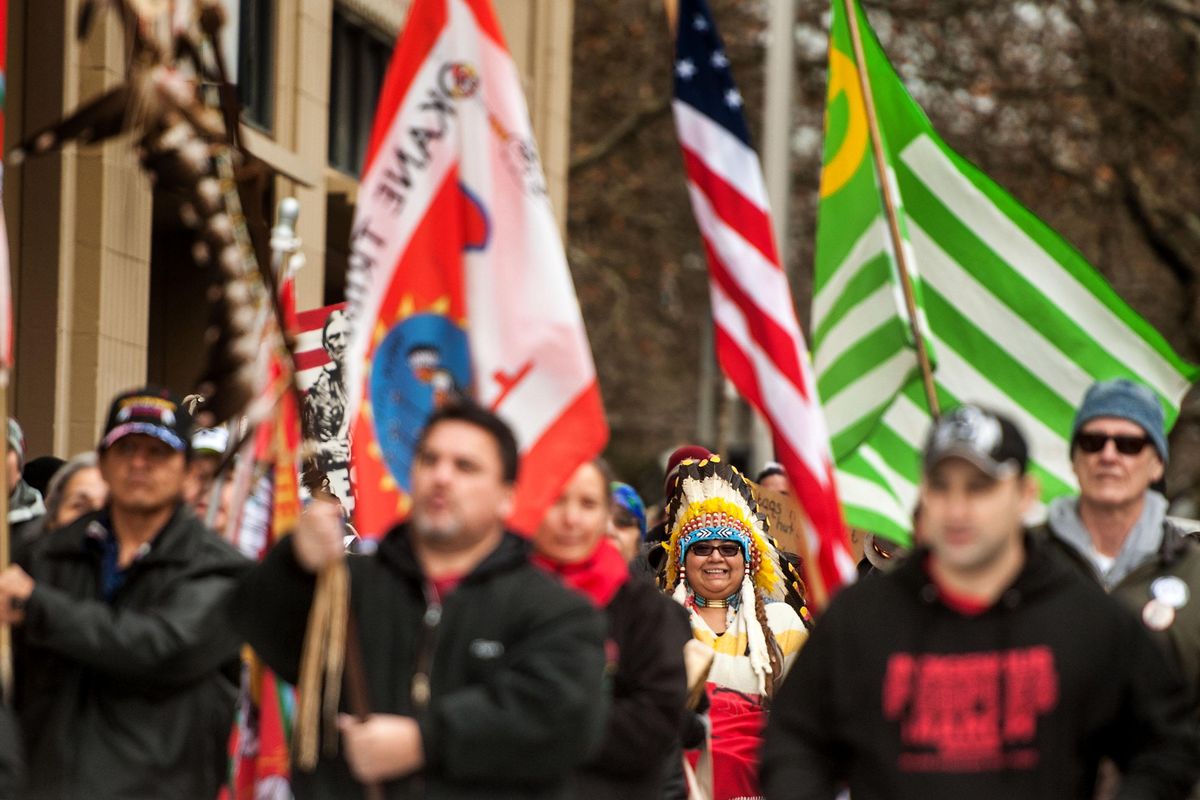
{"points": [[515, 663], [649, 692], [133, 698], [901, 696]]}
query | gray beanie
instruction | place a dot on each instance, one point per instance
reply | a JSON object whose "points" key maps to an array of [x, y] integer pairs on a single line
{"points": [[1124, 399]]}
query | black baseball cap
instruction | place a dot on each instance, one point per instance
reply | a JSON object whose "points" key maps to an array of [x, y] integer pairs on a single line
{"points": [[984, 438], [152, 411]]}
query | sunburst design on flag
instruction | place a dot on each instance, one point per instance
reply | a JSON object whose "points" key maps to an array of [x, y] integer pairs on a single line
{"points": [[416, 364]]}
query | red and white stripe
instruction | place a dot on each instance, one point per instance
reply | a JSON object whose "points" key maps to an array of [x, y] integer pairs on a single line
{"points": [[311, 355], [758, 340]]}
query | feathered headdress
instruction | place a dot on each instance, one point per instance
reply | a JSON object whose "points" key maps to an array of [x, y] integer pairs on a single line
{"points": [[714, 501]]}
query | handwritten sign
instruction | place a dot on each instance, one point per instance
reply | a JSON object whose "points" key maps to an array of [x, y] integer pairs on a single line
{"points": [[788, 524]]}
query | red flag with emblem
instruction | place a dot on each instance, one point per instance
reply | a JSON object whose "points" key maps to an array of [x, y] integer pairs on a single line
{"points": [[458, 283]]}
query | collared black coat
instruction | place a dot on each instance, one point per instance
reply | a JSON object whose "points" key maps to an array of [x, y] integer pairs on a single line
{"points": [[1178, 556], [133, 698], [516, 697]]}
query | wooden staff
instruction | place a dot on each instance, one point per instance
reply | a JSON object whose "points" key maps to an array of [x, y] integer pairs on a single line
{"points": [[889, 207], [327, 639]]}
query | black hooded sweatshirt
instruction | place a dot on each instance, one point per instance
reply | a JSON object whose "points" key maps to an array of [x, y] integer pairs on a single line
{"points": [[898, 695]]}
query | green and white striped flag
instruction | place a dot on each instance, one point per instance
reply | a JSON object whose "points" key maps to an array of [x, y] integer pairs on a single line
{"points": [[1014, 317]]}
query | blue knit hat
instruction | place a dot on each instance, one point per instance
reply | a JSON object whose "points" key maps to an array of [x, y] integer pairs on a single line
{"points": [[627, 498], [1124, 399]]}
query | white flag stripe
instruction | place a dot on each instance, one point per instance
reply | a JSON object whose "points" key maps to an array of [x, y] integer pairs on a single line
{"points": [[308, 340], [970, 386], [858, 491], [521, 303], [872, 313], [869, 393], [906, 490], [722, 152], [1009, 330], [786, 408], [908, 421], [1027, 258], [871, 244], [763, 282]]}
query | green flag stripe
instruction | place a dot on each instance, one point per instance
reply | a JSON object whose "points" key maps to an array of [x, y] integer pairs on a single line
{"points": [[1012, 298], [866, 489], [873, 348], [844, 221], [876, 311], [1003, 369], [848, 439], [1014, 329], [867, 248], [876, 387], [868, 520], [1070, 259], [900, 454], [875, 273], [905, 490], [965, 381], [1018, 319], [1013, 244]]}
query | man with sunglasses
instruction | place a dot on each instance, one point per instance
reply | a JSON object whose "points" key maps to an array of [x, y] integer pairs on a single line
{"points": [[1117, 530]]}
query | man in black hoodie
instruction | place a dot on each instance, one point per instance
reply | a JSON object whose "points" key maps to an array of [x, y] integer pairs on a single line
{"points": [[485, 674], [979, 668]]}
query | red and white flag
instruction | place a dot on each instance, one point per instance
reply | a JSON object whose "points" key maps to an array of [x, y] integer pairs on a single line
{"points": [[758, 339], [458, 282]]}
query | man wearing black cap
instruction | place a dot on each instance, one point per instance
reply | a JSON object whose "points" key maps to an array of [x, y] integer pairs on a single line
{"points": [[127, 667], [980, 667]]}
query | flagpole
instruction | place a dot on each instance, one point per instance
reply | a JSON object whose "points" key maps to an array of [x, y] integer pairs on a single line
{"points": [[889, 206]]}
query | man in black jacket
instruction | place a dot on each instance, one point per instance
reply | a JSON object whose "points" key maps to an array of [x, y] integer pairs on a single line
{"points": [[127, 665], [485, 674], [980, 667]]}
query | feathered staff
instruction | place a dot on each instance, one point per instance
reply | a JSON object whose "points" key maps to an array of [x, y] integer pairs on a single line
{"points": [[182, 145], [188, 149]]}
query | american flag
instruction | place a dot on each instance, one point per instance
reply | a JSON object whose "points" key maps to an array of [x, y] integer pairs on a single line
{"points": [[310, 351], [758, 339]]}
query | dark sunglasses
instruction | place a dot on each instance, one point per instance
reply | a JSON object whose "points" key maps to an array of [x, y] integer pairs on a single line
{"points": [[726, 549], [1126, 445]]}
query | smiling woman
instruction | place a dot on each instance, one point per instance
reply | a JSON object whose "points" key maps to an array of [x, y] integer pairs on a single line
{"points": [[646, 632], [725, 570]]}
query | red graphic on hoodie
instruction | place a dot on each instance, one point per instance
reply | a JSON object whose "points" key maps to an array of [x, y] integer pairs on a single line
{"points": [[970, 712]]}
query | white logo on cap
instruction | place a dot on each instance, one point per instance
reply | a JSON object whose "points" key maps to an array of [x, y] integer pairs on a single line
{"points": [[971, 425]]}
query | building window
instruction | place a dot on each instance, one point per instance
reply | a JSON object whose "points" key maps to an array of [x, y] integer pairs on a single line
{"points": [[256, 61], [359, 61]]}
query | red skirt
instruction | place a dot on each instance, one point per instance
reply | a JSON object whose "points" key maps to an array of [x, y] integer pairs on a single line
{"points": [[737, 729]]}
